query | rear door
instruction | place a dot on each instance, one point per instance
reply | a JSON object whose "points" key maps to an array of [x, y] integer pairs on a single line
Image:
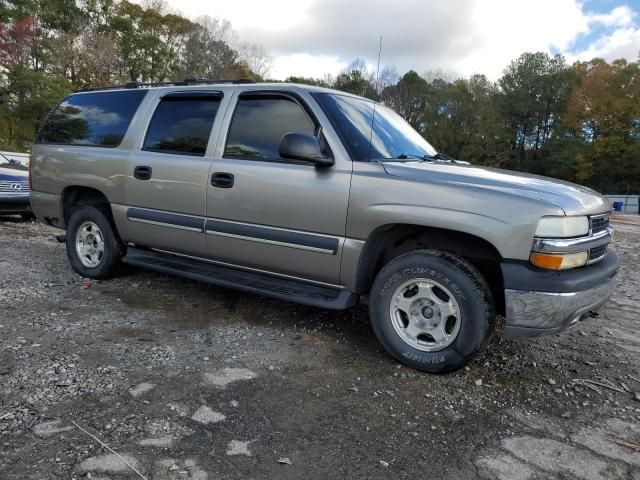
{"points": [[269, 213], [168, 171]]}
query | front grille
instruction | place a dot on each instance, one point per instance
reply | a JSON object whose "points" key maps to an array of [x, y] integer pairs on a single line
{"points": [[599, 223], [597, 253], [20, 186]]}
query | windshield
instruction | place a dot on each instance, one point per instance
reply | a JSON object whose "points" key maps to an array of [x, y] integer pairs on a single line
{"points": [[7, 162], [392, 136]]}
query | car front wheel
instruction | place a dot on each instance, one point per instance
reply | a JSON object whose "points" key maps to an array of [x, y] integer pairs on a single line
{"points": [[431, 310]]}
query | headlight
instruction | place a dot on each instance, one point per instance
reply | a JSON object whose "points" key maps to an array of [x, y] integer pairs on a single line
{"points": [[562, 227], [559, 261]]}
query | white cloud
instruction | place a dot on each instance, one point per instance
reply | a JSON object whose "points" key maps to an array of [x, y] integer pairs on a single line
{"points": [[304, 64], [622, 43], [314, 37], [621, 16]]}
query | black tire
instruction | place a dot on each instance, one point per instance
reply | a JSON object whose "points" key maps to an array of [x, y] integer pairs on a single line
{"points": [[27, 216], [467, 286], [110, 259]]}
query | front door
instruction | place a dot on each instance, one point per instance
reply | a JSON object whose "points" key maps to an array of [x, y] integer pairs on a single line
{"points": [[167, 177], [268, 213]]}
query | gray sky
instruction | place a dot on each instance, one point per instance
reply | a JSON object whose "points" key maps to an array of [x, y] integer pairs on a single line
{"points": [[313, 37]]}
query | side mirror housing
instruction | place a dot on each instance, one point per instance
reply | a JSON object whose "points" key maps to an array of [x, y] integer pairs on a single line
{"points": [[304, 147]]}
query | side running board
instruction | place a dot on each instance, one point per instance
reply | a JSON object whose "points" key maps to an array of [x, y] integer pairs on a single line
{"points": [[258, 283]]}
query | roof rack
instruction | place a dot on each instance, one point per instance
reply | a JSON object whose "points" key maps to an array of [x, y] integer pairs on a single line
{"points": [[177, 83]]}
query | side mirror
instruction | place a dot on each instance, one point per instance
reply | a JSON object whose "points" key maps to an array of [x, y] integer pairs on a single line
{"points": [[305, 147]]}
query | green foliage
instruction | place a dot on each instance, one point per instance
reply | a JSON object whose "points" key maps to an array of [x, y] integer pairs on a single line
{"points": [[533, 95], [51, 47], [355, 79], [604, 112], [316, 82], [576, 122], [408, 97], [25, 102]]}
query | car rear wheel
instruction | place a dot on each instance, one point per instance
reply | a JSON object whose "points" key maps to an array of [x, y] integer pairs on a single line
{"points": [[93, 247], [431, 310]]}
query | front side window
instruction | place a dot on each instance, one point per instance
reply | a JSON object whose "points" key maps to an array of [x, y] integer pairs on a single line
{"points": [[93, 119], [260, 122], [370, 135], [182, 125]]}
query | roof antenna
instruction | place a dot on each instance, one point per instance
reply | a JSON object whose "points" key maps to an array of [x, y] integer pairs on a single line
{"points": [[374, 103], [378, 69]]}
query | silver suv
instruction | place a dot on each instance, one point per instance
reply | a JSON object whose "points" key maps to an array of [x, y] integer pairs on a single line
{"points": [[322, 198]]}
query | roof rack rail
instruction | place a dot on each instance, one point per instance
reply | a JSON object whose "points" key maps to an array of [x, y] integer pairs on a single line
{"points": [[176, 83]]}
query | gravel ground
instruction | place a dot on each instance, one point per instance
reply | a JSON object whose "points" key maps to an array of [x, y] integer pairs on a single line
{"points": [[188, 381]]}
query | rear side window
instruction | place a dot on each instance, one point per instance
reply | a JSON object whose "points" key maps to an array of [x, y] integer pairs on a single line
{"points": [[182, 125], [260, 122], [98, 119]]}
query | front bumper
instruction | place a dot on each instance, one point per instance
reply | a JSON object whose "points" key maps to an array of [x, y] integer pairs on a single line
{"points": [[14, 203], [539, 302]]}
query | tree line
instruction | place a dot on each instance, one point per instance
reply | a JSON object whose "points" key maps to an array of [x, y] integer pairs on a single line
{"points": [[578, 122], [49, 48]]}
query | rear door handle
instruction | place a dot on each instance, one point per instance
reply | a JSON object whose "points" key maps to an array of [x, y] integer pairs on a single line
{"points": [[222, 180], [142, 172]]}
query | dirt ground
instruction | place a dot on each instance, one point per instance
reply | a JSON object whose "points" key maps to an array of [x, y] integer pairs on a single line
{"points": [[188, 381]]}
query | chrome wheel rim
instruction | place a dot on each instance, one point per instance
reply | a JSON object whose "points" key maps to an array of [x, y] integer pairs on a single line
{"points": [[425, 314], [90, 244]]}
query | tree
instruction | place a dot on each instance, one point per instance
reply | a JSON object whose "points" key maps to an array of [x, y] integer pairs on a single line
{"points": [[534, 91], [256, 59], [309, 81], [489, 145], [357, 80], [205, 56], [408, 97], [27, 98], [604, 112], [50, 47], [18, 40]]}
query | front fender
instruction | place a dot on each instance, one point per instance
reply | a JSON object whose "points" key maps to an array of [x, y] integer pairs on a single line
{"points": [[505, 221]]}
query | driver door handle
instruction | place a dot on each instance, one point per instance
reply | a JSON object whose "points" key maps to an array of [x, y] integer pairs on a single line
{"points": [[222, 180], [142, 172]]}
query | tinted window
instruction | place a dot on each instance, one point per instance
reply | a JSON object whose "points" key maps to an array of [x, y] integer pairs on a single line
{"points": [[392, 135], [182, 125], [259, 123], [96, 119]]}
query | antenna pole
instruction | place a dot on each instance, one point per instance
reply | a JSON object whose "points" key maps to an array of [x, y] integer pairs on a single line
{"points": [[378, 69], [373, 116]]}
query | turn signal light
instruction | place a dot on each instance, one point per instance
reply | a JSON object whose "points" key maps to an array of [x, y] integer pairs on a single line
{"points": [[554, 261]]}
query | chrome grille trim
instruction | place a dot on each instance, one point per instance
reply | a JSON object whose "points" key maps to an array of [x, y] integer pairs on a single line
{"points": [[594, 243], [572, 245], [598, 223], [596, 254], [9, 186]]}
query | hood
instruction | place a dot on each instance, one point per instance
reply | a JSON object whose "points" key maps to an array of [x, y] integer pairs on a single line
{"points": [[571, 198], [11, 174]]}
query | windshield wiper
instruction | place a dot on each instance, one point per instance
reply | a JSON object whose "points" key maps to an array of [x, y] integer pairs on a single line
{"points": [[405, 156], [439, 156]]}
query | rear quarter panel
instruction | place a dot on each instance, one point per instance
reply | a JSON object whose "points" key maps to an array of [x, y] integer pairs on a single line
{"points": [[56, 167]]}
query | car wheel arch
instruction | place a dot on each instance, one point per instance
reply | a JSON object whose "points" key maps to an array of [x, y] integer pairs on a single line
{"points": [[76, 196], [392, 240]]}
